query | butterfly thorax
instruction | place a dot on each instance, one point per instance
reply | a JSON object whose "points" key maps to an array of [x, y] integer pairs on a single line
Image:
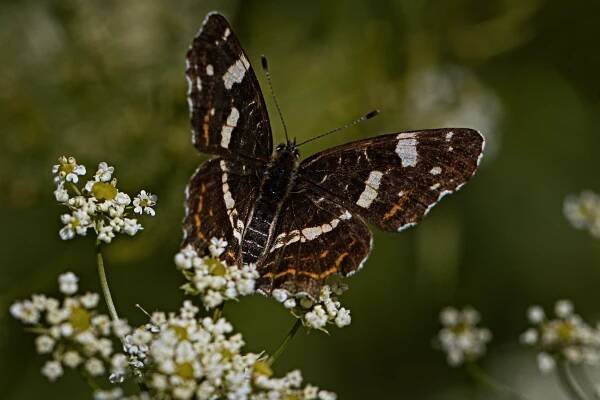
{"points": [[277, 179]]}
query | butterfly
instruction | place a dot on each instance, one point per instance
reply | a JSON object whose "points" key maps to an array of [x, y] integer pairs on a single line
{"points": [[301, 222]]}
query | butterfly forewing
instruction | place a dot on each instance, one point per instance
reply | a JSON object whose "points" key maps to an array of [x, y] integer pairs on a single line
{"points": [[315, 238], [394, 180], [227, 110]]}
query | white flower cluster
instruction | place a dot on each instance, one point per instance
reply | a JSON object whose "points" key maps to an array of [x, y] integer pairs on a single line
{"points": [[213, 279], [317, 314], [98, 205], [460, 337], [566, 337], [182, 356], [73, 333], [583, 211]]}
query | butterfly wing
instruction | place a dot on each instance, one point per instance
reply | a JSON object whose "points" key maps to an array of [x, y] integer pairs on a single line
{"points": [[218, 199], [227, 110], [394, 180], [314, 239]]}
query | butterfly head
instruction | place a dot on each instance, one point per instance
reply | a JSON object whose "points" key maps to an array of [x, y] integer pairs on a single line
{"points": [[288, 149]]}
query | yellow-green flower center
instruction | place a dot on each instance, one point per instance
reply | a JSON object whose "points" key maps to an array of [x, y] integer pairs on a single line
{"points": [[104, 191], [180, 331], [185, 370], [67, 168], [216, 267], [80, 319], [565, 331]]}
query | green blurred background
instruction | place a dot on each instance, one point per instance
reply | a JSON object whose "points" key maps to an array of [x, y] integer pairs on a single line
{"points": [[104, 81]]}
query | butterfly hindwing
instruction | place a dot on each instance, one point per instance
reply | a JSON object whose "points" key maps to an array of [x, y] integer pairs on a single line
{"points": [[227, 110], [219, 197], [315, 238], [394, 180]]}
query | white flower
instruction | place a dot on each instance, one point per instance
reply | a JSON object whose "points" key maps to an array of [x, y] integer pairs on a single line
{"points": [[68, 170], [536, 314], [94, 367], [61, 194], [217, 247], [290, 303], [546, 362], [90, 300], [112, 394], [104, 172], [72, 359], [214, 280], [563, 308], [343, 318], [100, 205], [122, 199], [449, 316], [44, 344], [460, 337], [583, 211], [106, 234], [52, 370], [530, 336], [280, 295], [77, 222], [567, 337], [324, 395], [144, 202], [317, 318], [131, 226], [25, 311], [68, 283]]}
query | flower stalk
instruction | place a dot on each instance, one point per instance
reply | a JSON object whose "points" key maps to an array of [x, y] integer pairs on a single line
{"points": [[104, 284], [285, 341], [479, 375], [568, 382]]}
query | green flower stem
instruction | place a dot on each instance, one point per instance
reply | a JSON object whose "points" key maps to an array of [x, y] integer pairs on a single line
{"points": [[568, 382], [104, 284], [482, 377], [109, 302], [286, 341]]}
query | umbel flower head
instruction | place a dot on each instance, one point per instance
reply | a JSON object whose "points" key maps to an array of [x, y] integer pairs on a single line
{"points": [[184, 356], [319, 313], [216, 282], [213, 279], [99, 205], [460, 337], [583, 211], [72, 333], [566, 337]]}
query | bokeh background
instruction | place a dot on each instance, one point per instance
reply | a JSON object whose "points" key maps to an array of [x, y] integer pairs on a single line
{"points": [[104, 81]]}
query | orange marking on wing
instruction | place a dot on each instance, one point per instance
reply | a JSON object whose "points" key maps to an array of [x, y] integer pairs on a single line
{"points": [[205, 127], [198, 210], [395, 208], [289, 271], [340, 259], [324, 254]]}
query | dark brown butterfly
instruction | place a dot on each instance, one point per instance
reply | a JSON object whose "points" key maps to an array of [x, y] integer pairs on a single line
{"points": [[301, 222]]}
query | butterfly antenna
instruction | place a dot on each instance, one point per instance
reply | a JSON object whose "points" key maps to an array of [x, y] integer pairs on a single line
{"points": [[369, 115], [265, 67]]}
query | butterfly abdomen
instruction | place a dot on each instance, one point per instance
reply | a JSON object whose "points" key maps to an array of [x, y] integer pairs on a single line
{"points": [[275, 185]]}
